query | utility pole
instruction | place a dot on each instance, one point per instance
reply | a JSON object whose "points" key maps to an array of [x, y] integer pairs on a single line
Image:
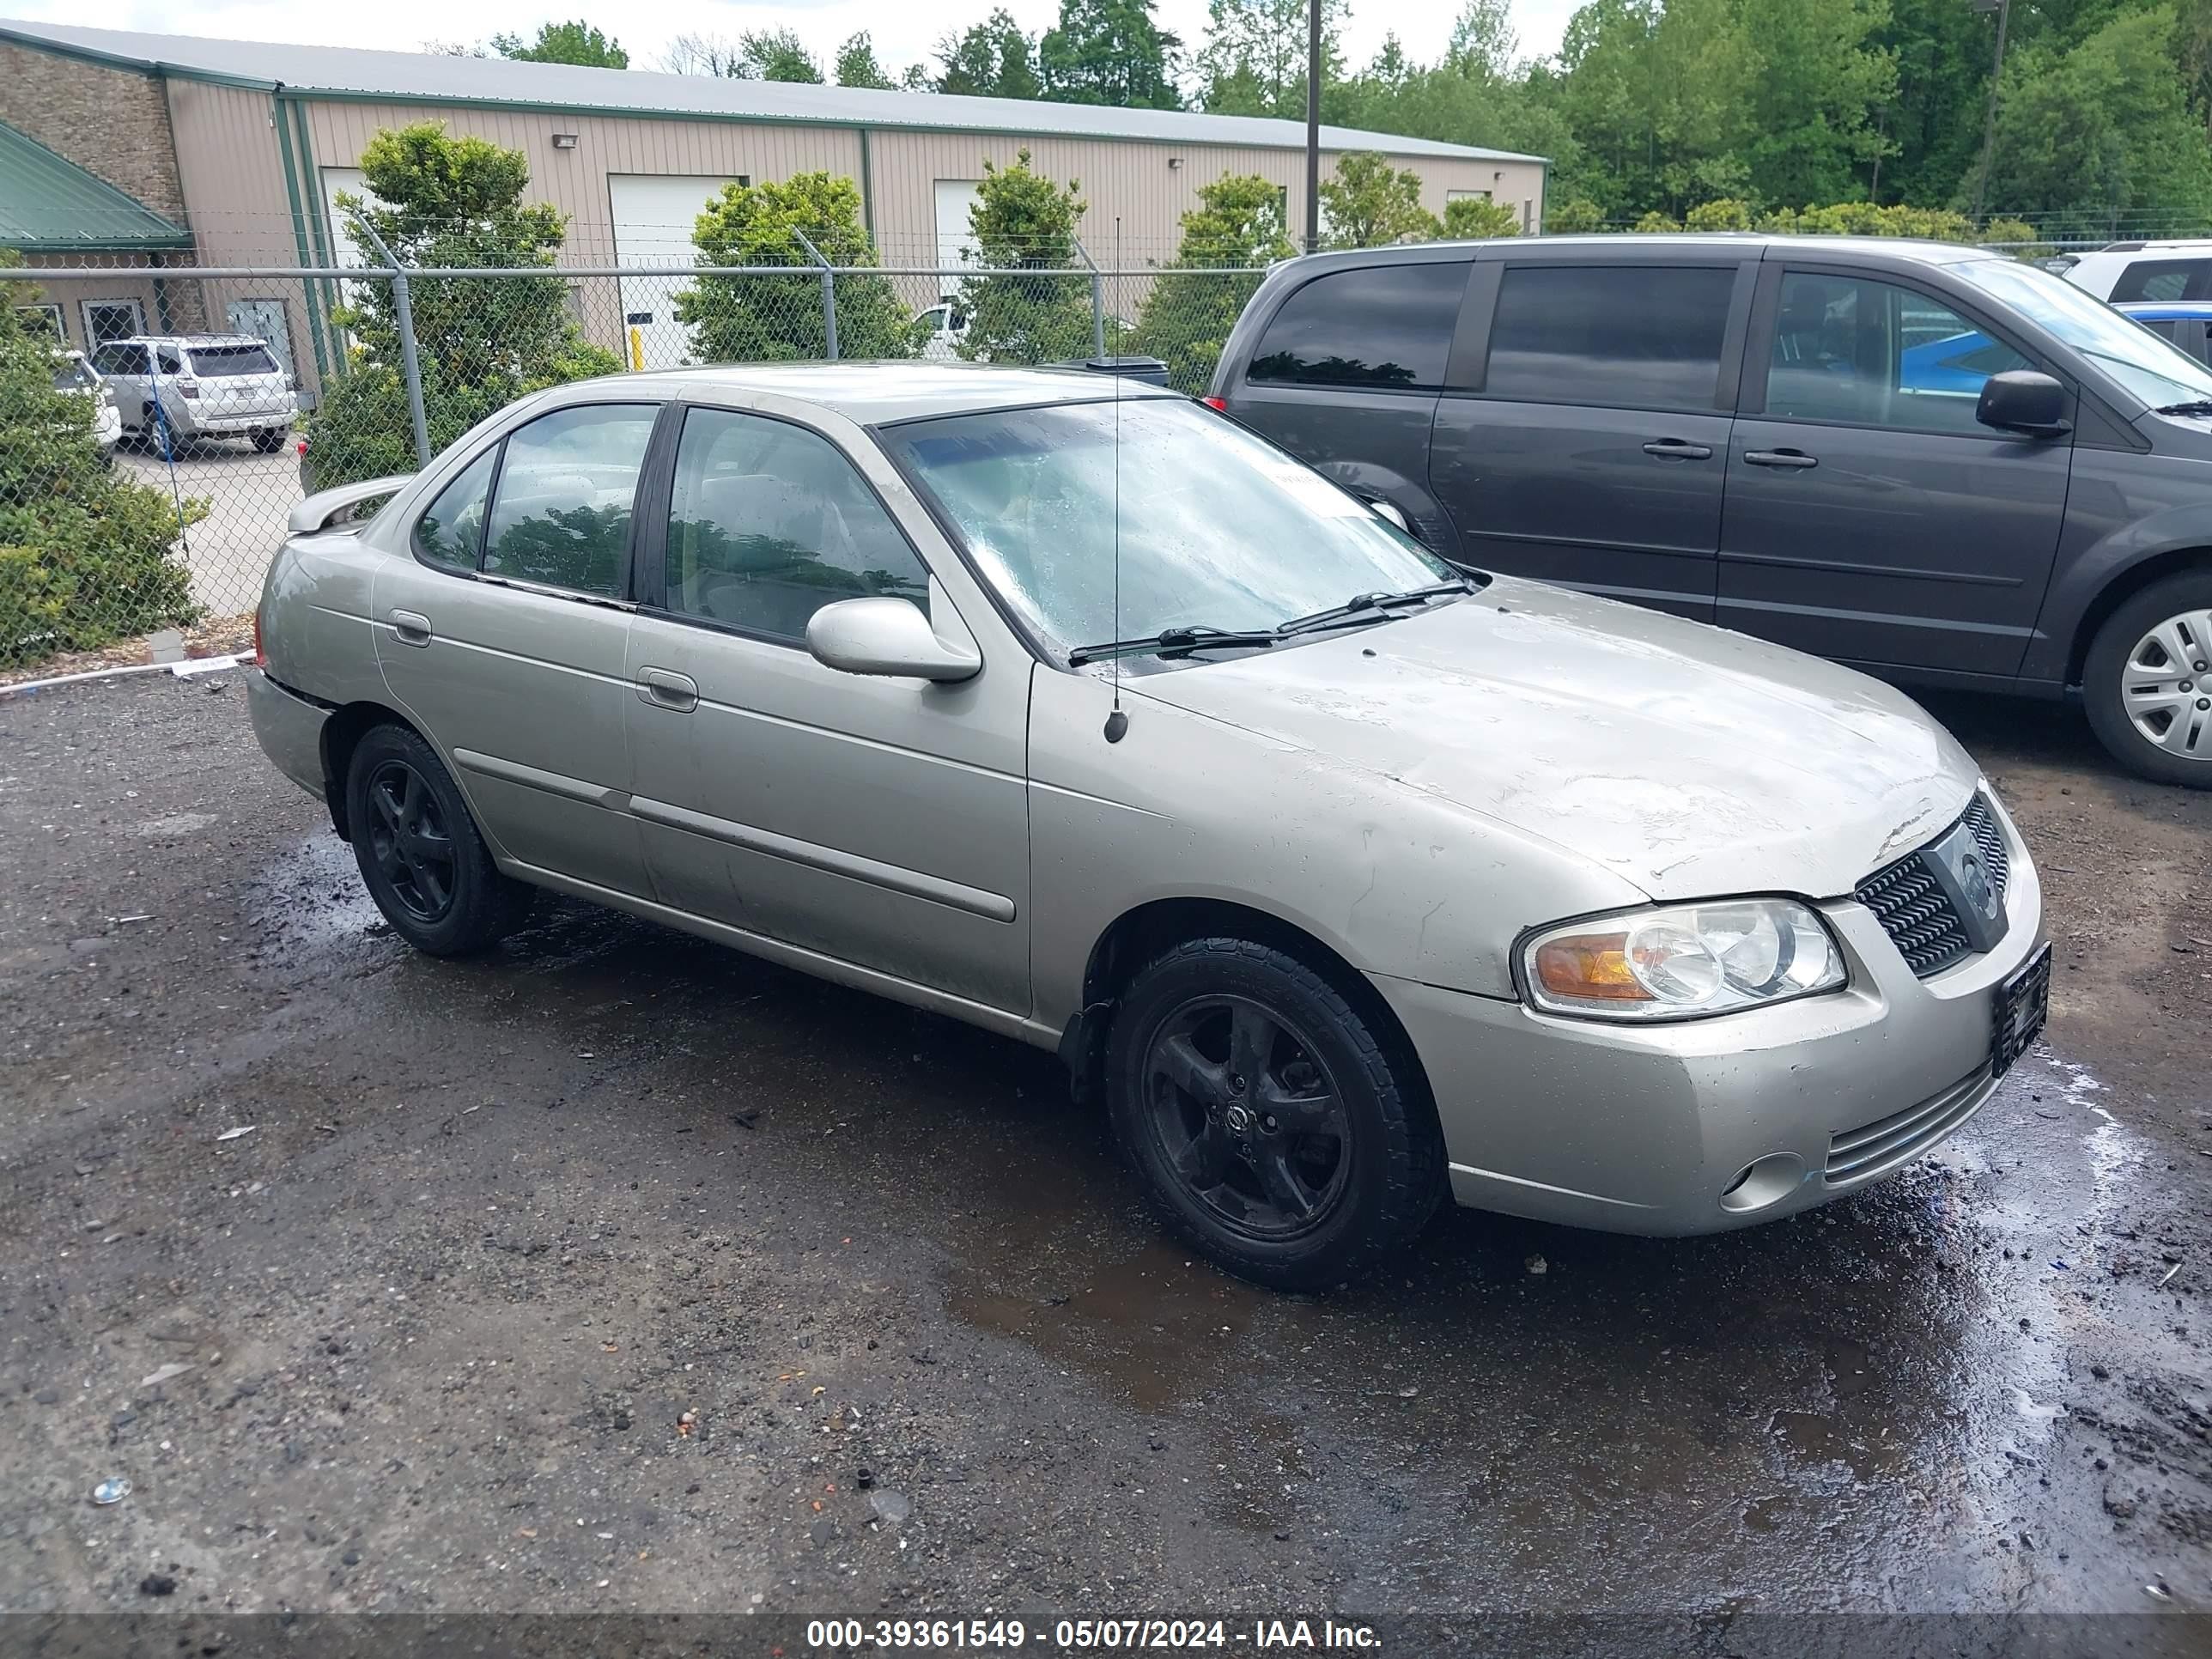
{"points": [[2003, 9], [1313, 126]]}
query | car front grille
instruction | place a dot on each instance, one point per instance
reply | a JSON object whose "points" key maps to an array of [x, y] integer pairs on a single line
{"points": [[1872, 1148], [1915, 910]]}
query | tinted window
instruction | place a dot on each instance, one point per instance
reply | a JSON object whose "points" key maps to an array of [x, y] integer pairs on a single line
{"points": [[770, 522], [120, 360], [1872, 354], [561, 512], [224, 363], [451, 534], [2167, 326], [1381, 325], [168, 361], [2165, 279], [1624, 337]]}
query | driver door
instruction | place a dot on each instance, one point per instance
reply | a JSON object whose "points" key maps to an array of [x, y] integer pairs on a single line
{"points": [[878, 822]]}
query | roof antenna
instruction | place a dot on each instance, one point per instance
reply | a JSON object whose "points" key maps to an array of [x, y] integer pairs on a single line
{"points": [[1117, 723]]}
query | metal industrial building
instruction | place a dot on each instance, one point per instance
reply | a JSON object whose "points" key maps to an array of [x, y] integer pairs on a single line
{"points": [[231, 152]]}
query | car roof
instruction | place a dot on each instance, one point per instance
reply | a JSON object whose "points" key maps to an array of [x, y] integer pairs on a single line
{"points": [[188, 339], [2184, 244], [2167, 311], [873, 393], [1688, 246]]}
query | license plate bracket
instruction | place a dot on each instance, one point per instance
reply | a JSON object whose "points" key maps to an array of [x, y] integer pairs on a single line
{"points": [[2020, 1007]]}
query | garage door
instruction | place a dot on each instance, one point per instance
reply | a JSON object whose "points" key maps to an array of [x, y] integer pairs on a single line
{"points": [[654, 216], [956, 198]]}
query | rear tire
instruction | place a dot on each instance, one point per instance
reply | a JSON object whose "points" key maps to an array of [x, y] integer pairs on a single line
{"points": [[1272, 1126], [2147, 682], [268, 439], [420, 856]]}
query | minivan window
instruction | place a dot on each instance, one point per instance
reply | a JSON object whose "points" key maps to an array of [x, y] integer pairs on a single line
{"points": [[1864, 353], [2154, 371], [1621, 336], [223, 362], [1373, 325], [561, 511], [2163, 279]]}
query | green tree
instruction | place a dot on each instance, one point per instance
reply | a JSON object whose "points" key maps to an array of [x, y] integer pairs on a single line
{"points": [[1370, 204], [564, 43], [1476, 215], [1820, 76], [1253, 59], [482, 342], [775, 55], [993, 59], [1932, 126], [778, 318], [85, 550], [2095, 134], [857, 65], [1112, 52], [1186, 317], [1576, 216], [1037, 308]]}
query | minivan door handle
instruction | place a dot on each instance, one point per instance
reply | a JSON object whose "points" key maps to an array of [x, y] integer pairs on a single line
{"points": [[1786, 458], [412, 626], [1676, 449], [664, 688]]}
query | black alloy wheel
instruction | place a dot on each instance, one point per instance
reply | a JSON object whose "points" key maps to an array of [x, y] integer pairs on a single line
{"points": [[410, 842]]}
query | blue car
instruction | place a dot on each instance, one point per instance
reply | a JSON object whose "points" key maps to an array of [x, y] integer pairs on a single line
{"points": [[2187, 323]]}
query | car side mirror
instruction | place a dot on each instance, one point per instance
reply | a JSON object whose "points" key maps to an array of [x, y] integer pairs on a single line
{"points": [[2023, 400], [893, 637], [1390, 510]]}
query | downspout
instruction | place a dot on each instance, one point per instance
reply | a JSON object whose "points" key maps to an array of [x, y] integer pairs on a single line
{"points": [[867, 189], [299, 233]]}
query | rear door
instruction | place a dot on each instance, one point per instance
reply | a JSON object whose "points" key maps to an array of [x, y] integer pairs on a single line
{"points": [[127, 366], [1346, 374], [1584, 439], [1871, 517], [504, 637]]}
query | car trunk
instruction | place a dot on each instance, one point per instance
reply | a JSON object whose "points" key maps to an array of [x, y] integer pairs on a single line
{"points": [[239, 381]]}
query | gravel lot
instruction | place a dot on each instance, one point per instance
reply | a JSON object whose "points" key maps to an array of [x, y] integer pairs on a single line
{"points": [[619, 1272]]}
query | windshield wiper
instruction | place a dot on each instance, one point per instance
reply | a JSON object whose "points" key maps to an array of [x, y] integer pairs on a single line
{"points": [[2195, 406], [1171, 642], [1360, 604]]}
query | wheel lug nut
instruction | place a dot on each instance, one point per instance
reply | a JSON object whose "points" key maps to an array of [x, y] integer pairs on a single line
{"points": [[1269, 1124], [1235, 1084]]}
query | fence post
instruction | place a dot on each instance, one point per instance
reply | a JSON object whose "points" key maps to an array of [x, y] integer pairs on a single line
{"points": [[1098, 300], [829, 295], [410, 365]]}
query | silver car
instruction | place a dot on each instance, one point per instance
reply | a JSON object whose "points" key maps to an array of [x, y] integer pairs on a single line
{"points": [[1341, 878], [173, 390]]}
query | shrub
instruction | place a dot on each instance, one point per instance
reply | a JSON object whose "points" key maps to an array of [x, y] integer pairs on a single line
{"points": [[1472, 215], [778, 318], [1576, 216], [1185, 318], [1656, 221], [85, 550], [1370, 204], [1023, 223], [1726, 213]]}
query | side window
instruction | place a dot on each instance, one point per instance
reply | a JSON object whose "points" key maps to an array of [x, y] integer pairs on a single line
{"points": [[451, 534], [2163, 279], [2167, 326], [1872, 354], [170, 362], [1622, 337], [770, 522], [120, 360], [1371, 326], [562, 511]]}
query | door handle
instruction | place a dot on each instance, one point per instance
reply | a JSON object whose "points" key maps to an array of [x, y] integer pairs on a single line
{"points": [[1786, 458], [664, 688], [1676, 449], [412, 626]]}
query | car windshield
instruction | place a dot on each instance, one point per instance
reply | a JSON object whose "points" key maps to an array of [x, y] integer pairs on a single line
{"points": [[2153, 369], [1217, 529], [73, 374]]}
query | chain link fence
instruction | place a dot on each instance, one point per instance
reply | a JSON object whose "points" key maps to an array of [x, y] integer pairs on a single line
{"points": [[158, 423]]}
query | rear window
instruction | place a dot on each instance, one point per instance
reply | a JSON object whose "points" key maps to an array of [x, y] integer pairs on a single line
{"points": [[73, 374], [224, 363], [1624, 337], [2163, 279], [1373, 326]]}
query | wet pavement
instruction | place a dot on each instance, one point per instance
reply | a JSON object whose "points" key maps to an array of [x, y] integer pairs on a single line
{"points": [[619, 1271]]}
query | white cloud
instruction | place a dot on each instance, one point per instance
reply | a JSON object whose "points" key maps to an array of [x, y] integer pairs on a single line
{"points": [[903, 33]]}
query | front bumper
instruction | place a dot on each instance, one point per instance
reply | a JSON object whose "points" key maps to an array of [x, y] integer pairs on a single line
{"points": [[290, 730], [1644, 1129]]}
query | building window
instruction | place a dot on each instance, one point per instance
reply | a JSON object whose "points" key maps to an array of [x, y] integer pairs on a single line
{"points": [[44, 318]]}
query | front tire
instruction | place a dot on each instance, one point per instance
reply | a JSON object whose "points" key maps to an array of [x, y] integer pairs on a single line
{"points": [[1273, 1126], [2147, 682], [420, 856]]}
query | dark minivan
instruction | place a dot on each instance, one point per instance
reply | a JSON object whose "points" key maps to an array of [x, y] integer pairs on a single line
{"points": [[1930, 462]]}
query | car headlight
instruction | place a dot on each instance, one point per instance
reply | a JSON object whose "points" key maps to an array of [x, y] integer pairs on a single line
{"points": [[1682, 961]]}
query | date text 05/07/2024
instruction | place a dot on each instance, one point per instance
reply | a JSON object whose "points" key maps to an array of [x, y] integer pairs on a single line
{"points": [[1141, 1635]]}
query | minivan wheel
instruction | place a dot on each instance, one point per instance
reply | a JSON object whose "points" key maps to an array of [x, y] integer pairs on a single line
{"points": [[2147, 682], [1269, 1123], [420, 854]]}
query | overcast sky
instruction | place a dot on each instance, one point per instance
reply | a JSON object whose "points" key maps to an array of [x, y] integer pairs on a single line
{"points": [[904, 32]]}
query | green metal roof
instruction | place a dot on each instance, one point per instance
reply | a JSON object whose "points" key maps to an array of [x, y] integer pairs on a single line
{"points": [[49, 205]]}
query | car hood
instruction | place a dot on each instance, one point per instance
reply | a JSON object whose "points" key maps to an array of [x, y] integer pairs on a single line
{"points": [[1690, 761]]}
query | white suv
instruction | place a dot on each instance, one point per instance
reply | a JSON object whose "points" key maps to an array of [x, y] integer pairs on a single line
{"points": [[175, 389], [2145, 271]]}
